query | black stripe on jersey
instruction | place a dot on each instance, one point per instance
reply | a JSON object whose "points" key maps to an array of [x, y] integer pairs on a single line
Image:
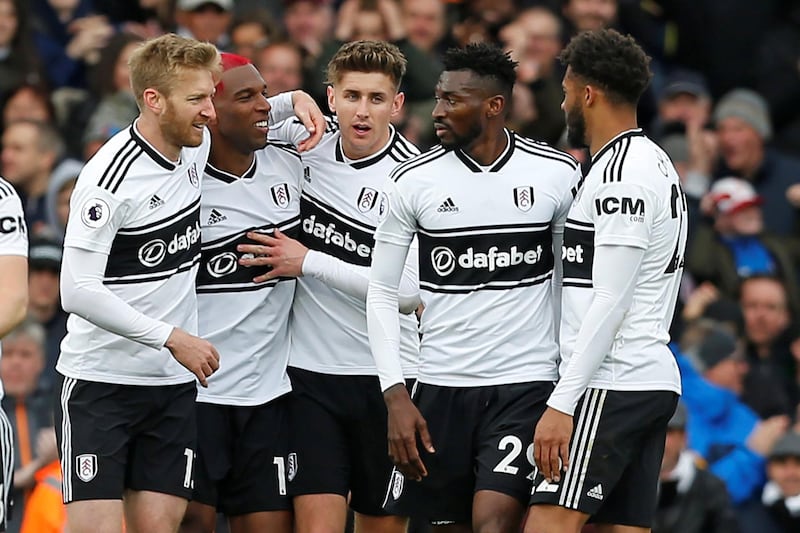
{"points": [[6, 190], [121, 162], [288, 148], [402, 149], [577, 254], [486, 260], [364, 163], [426, 157], [507, 228], [226, 177], [146, 278], [164, 221], [219, 262], [606, 148], [249, 287], [155, 250], [327, 230], [331, 124], [543, 150], [152, 152], [613, 170]]}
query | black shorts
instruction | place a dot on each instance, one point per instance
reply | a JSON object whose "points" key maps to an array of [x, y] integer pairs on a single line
{"points": [[338, 438], [6, 469], [115, 437], [615, 457], [241, 457], [483, 439]]}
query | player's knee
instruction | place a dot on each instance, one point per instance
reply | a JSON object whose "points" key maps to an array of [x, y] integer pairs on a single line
{"points": [[548, 520], [497, 523]]}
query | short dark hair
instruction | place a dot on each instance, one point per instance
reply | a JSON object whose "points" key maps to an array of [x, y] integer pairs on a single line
{"points": [[367, 56], [611, 60], [486, 61]]}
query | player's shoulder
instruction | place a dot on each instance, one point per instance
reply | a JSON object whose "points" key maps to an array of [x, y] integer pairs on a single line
{"points": [[543, 154], [401, 149], [7, 191], [282, 150], [419, 164], [630, 159]]}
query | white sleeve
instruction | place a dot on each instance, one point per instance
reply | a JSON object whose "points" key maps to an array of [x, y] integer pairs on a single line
{"points": [[354, 279], [13, 231], [281, 106], [392, 241], [614, 274], [289, 131], [623, 214], [83, 293]]}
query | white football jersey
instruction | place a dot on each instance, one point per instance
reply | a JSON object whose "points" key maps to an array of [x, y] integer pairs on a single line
{"points": [[340, 209], [486, 259], [13, 232], [248, 323], [632, 197], [143, 211]]}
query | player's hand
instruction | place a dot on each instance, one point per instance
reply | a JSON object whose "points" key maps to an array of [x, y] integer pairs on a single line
{"points": [[551, 444], [284, 254], [405, 422], [197, 355], [309, 113]]}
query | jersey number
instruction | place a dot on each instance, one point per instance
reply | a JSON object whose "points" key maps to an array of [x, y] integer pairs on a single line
{"points": [[678, 210], [187, 477], [515, 443], [280, 466]]}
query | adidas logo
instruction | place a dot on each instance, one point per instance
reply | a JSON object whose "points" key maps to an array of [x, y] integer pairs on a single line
{"points": [[215, 217], [155, 202], [448, 206], [596, 492]]}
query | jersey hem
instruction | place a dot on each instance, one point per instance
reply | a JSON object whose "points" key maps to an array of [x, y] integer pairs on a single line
{"points": [[349, 371], [483, 382], [241, 402], [143, 381]]}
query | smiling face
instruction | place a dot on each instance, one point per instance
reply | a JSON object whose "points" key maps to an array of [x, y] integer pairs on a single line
{"points": [[242, 109], [461, 104], [188, 109], [364, 103]]}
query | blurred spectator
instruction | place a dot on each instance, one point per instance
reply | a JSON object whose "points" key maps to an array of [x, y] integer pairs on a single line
{"points": [[28, 408], [68, 36], [44, 307], [30, 152], [145, 18], [45, 512], [587, 15], [281, 66], [425, 22], [534, 40], [309, 24], [205, 20], [117, 107], [59, 192], [723, 430], [694, 169], [768, 329], [781, 496], [690, 498], [685, 99], [737, 245], [743, 128], [252, 31], [18, 61], [29, 102], [482, 20]]}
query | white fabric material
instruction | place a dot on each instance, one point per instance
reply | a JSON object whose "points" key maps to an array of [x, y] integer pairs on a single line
{"points": [[354, 279], [281, 107], [83, 293], [616, 269]]}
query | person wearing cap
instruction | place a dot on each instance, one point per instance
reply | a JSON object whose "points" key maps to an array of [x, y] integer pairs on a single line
{"points": [[781, 495], [685, 98], [744, 128], [44, 267], [737, 246], [723, 430], [205, 20], [691, 499]]}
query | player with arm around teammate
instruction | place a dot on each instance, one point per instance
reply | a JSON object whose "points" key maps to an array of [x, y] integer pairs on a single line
{"points": [[335, 386], [600, 443], [488, 207]]}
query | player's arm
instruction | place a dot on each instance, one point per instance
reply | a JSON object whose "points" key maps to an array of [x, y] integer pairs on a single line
{"points": [[558, 222], [288, 257], [392, 241], [13, 262], [301, 105]]}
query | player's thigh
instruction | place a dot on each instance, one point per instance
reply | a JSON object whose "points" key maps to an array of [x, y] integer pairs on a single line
{"points": [[162, 455], [92, 422], [610, 431], [544, 518], [257, 479], [94, 516], [444, 496], [152, 512], [505, 441], [320, 513], [495, 512], [379, 524], [200, 517], [272, 521]]}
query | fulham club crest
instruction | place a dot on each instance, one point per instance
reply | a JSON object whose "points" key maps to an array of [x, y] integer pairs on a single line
{"points": [[367, 199], [86, 466], [280, 195], [523, 198], [193, 178]]}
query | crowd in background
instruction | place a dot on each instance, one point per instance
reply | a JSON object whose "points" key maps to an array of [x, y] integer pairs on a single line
{"points": [[724, 103]]}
